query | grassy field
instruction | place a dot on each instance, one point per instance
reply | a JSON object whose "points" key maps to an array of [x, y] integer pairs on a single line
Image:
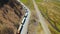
{"points": [[50, 9], [34, 25]]}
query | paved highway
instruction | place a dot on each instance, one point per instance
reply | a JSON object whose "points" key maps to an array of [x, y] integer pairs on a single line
{"points": [[23, 29], [41, 19]]}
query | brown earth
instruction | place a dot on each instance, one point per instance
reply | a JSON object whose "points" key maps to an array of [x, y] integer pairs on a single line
{"points": [[11, 15]]}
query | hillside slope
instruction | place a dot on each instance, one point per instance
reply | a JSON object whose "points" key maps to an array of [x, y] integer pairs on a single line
{"points": [[11, 14]]}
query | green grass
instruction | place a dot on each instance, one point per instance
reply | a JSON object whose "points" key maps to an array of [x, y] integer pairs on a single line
{"points": [[28, 3], [38, 1], [33, 19], [50, 9], [25, 2], [53, 31]]}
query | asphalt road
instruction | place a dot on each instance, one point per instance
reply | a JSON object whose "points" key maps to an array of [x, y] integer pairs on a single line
{"points": [[41, 19], [23, 29]]}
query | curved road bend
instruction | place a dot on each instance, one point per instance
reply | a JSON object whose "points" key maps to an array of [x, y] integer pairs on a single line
{"points": [[41, 19], [24, 25]]}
